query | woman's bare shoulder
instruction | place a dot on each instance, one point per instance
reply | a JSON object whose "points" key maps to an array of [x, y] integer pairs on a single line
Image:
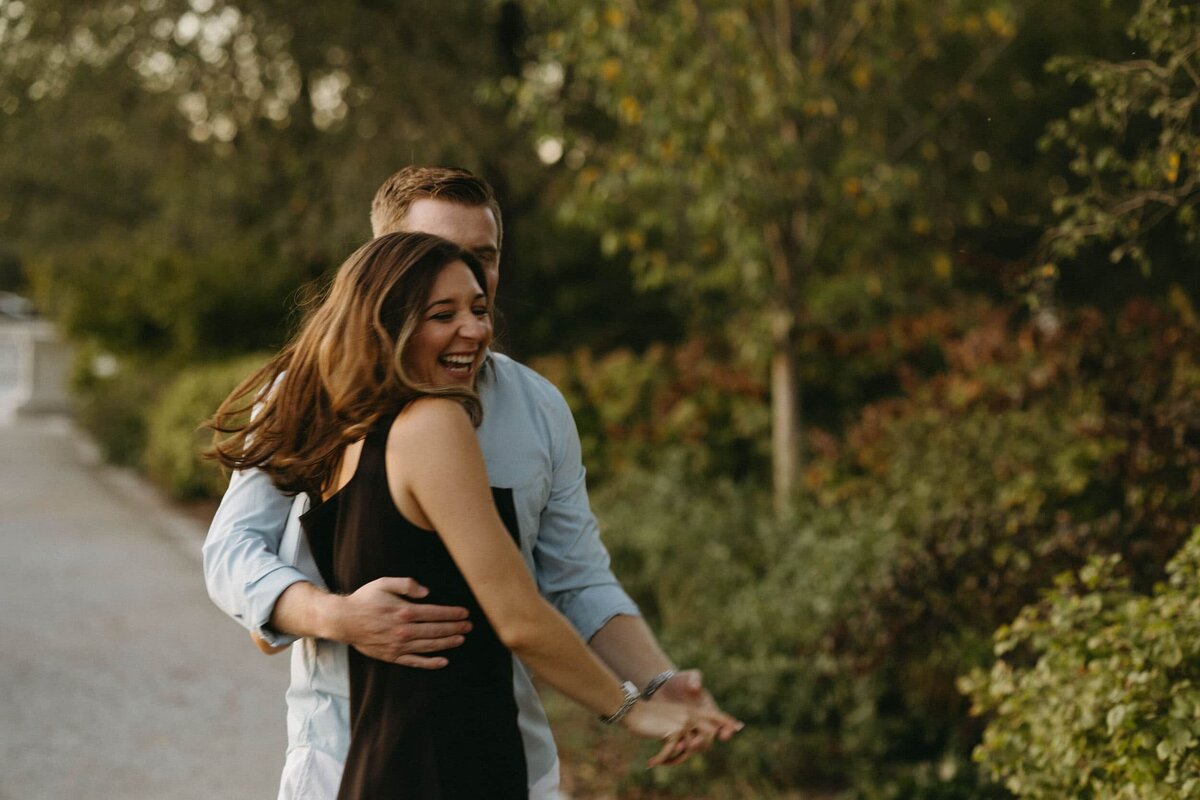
{"points": [[430, 418]]}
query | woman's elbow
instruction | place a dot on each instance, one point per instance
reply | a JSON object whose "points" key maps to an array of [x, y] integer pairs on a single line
{"points": [[517, 634], [524, 625]]}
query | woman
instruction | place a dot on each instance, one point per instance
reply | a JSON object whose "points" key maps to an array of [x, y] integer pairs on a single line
{"points": [[366, 415]]}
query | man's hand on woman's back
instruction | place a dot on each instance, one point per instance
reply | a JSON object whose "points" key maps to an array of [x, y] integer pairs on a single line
{"points": [[376, 620]]}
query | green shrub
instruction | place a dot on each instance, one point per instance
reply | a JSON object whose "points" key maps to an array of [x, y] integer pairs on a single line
{"points": [[631, 407], [1095, 692], [174, 437], [113, 407], [839, 634], [747, 599]]}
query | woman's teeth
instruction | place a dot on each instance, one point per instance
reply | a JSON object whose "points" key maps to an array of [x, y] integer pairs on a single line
{"points": [[457, 363]]}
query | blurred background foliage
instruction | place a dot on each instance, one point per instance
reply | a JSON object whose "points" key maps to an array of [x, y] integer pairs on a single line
{"points": [[926, 268]]}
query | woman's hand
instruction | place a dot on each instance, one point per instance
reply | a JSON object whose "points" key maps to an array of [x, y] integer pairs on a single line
{"points": [[684, 730]]}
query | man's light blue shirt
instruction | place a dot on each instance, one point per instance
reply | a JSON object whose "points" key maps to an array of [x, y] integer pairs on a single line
{"points": [[255, 550]]}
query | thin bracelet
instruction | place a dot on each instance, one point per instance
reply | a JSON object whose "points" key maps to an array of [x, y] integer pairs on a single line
{"points": [[656, 683], [631, 696]]}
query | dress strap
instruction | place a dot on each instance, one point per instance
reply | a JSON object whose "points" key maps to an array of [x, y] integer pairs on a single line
{"points": [[374, 451]]}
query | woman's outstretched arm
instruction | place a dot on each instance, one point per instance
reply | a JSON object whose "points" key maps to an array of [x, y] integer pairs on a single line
{"points": [[446, 487]]}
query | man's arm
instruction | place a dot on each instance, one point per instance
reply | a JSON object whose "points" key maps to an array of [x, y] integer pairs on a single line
{"points": [[573, 571], [243, 571], [629, 648], [278, 603]]}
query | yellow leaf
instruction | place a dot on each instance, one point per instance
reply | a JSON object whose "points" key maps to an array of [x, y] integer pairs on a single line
{"points": [[614, 17], [610, 70], [1182, 305], [920, 225], [1172, 167], [635, 240], [631, 110], [851, 187], [860, 76], [999, 23], [942, 266], [972, 24]]}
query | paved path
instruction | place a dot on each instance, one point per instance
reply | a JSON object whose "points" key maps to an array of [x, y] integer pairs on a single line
{"points": [[118, 678]]}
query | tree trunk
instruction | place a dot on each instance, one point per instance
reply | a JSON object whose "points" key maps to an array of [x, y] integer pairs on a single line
{"points": [[786, 438]]}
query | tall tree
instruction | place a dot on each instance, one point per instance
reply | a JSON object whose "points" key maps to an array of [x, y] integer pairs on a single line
{"points": [[192, 161], [765, 160]]}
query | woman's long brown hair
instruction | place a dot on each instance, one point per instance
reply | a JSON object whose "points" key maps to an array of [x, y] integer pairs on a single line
{"points": [[343, 371]]}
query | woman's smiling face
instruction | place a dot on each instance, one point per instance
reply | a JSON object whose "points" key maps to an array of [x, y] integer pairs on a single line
{"points": [[454, 331]]}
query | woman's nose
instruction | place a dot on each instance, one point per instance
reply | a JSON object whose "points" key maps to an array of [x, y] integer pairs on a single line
{"points": [[475, 329]]}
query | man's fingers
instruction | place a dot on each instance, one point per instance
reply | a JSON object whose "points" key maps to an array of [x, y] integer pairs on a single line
{"points": [[416, 631], [434, 645], [422, 662], [419, 612], [693, 680], [406, 587]]}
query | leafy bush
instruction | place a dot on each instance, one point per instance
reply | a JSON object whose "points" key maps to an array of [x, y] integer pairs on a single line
{"points": [[1095, 692], [839, 634], [174, 437], [749, 599], [113, 407], [630, 407]]}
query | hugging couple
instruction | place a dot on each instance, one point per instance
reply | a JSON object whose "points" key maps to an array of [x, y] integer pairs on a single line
{"points": [[408, 512]]}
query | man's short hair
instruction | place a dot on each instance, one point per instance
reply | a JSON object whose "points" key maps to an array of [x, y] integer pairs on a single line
{"points": [[411, 183]]}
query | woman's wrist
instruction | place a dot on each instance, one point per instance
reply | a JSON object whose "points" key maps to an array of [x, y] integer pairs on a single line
{"points": [[631, 697]]}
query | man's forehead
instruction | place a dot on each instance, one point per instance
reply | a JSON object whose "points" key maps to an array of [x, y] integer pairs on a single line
{"points": [[467, 226]]}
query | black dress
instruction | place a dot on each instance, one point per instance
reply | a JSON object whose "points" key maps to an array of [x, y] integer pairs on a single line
{"points": [[447, 734]]}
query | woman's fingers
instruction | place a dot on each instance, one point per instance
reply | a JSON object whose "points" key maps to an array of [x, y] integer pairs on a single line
{"points": [[669, 752], [680, 745]]}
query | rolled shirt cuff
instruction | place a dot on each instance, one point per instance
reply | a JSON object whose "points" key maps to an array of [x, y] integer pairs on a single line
{"points": [[263, 592], [590, 609]]}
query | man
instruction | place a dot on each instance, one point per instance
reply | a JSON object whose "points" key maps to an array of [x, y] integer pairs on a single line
{"points": [[266, 579]]}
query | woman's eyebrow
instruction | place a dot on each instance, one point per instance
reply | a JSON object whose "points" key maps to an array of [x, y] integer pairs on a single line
{"points": [[438, 303]]}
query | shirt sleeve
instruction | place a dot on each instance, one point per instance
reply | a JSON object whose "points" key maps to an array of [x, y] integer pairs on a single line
{"points": [[243, 570], [573, 566]]}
